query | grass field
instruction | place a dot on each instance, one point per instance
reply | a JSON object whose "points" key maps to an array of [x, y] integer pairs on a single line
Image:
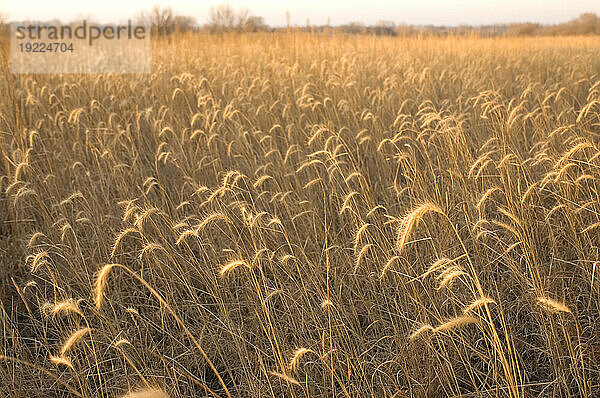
{"points": [[306, 216]]}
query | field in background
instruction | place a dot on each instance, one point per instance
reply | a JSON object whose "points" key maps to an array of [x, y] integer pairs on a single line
{"points": [[299, 215]]}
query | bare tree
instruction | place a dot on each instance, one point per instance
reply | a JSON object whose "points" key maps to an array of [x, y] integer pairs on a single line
{"points": [[242, 18], [221, 18], [160, 20], [383, 27], [587, 23], [523, 29], [255, 24], [353, 27], [224, 18], [184, 23], [163, 21]]}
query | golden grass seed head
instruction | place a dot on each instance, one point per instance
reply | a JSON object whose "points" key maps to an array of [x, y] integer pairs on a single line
{"points": [[73, 338], [410, 221], [146, 393], [552, 305], [285, 377], [232, 265], [420, 331], [298, 354], [480, 302], [455, 323]]}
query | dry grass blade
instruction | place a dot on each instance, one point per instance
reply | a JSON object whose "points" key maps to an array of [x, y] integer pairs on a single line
{"points": [[46, 372], [99, 291]]}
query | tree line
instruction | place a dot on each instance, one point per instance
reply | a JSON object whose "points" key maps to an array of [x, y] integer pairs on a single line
{"points": [[224, 18]]}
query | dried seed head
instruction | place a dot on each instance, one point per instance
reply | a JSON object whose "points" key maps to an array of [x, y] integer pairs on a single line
{"points": [[228, 268], [146, 393], [552, 305], [74, 338], [455, 323], [411, 220], [422, 330], [295, 361], [287, 378]]}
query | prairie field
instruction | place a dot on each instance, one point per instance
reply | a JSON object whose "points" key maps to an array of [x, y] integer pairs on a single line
{"points": [[302, 215]]}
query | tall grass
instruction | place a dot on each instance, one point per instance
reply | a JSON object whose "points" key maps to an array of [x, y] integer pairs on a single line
{"points": [[301, 215]]}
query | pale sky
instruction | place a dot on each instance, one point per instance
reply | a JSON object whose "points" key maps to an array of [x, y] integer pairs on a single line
{"points": [[412, 12]]}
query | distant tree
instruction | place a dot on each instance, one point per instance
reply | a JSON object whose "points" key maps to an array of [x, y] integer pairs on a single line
{"points": [[184, 23], [404, 30], [587, 23], [159, 19], [241, 19], [221, 18], [385, 28], [353, 28], [224, 18], [163, 21], [523, 29], [255, 24]]}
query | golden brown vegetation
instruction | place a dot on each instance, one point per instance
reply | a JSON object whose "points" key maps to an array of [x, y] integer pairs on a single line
{"points": [[419, 216]]}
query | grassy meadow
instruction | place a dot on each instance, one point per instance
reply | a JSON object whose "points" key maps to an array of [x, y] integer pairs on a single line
{"points": [[297, 215]]}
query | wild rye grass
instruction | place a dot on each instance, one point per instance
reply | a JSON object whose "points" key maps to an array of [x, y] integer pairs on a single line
{"points": [[298, 215]]}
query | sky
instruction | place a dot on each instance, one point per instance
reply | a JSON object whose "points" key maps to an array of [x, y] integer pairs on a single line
{"points": [[318, 12]]}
